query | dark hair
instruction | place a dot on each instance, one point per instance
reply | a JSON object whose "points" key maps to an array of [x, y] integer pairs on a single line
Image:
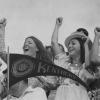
{"points": [[87, 34], [26, 80], [82, 50], [42, 53], [83, 30], [49, 47]]}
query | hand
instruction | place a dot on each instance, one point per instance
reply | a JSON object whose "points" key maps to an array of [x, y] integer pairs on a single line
{"points": [[97, 31], [86, 41], [1, 88], [59, 21], [2, 22]]}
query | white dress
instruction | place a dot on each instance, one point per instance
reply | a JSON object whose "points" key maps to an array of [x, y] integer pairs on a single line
{"points": [[30, 94], [69, 89]]}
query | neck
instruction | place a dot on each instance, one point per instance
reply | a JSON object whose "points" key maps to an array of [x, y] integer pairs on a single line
{"points": [[34, 56], [30, 54], [76, 60]]}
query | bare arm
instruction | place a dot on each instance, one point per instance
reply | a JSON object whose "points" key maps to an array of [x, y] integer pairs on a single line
{"points": [[3, 54], [54, 39], [3, 91], [94, 57], [2, 34], [87, 52]]}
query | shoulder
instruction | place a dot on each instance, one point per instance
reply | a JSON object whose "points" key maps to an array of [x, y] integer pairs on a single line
{"points": [[62, 60], [62, 56]]}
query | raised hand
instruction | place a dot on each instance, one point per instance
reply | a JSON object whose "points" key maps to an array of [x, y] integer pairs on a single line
{"points": [[2, 22], [1, 88], [97, 31], [87, 52], [87, 40], [59, 21]]}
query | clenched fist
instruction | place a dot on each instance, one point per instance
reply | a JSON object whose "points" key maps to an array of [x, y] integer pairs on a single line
{"points": [[59, 21], [2, 22], [97, 31]]}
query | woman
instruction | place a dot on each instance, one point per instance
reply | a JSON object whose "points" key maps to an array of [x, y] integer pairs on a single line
{"points": [[75, 62], [34, 48], [69, 89]]}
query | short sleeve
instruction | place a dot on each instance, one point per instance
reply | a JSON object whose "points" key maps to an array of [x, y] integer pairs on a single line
{"points": [[62, 60]]}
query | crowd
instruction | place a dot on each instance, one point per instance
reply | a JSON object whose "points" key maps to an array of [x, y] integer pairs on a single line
{"points": [[82, 59]]}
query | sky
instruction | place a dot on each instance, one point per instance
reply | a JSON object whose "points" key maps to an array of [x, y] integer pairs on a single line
{"points": [[38, 17]]}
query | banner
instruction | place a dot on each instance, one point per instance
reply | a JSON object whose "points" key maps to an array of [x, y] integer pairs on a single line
{"points": [[22, 66]]}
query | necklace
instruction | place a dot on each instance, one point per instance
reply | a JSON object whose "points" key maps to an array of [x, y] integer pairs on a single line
{"points": [[76, 68]]}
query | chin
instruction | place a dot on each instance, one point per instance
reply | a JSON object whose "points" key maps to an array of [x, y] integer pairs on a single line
{"points": [[26, 53], [71, 54]]}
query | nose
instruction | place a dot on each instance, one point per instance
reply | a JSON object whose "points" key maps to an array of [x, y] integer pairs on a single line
{"points": [[70, 45], [26, 43], [24, 47]]}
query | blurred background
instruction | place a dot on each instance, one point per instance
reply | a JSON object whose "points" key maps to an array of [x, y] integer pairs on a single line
{"points": [[38, 17]]}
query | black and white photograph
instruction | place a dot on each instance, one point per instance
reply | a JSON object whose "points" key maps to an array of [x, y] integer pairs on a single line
{"points": [[49, 50]]}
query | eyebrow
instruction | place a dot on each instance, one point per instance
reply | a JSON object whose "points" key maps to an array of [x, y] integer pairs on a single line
{"points": [[72, 40]]}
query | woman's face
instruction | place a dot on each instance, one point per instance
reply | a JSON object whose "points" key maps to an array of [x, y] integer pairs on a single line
{"points": [[30, 47], [74, 48]]}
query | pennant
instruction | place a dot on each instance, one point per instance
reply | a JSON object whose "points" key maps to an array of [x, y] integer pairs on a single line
{"points": [[22, 66]]}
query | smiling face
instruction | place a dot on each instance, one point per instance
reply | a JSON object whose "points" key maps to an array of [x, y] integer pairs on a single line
{"points": [[74, 48], [30, 47]]}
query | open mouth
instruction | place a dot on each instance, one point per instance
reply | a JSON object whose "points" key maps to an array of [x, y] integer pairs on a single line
{"points": [[70, 49], [26, 48]]}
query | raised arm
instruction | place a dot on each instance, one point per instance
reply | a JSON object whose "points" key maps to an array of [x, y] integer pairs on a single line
{"points": [[87, 53], [54, 39], [95, 57], [2, 34], [3, 54]]}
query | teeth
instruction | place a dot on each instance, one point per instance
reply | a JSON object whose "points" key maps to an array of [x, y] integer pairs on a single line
{"points": [[26, 49]]}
